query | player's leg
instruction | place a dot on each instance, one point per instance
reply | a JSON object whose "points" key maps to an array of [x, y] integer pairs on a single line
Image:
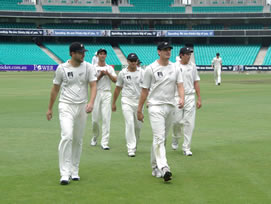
{"points": [[218, 76], [177, 126], [138, 126], [215, 75], [78, 133], [106, 118], [66, 118], [96, 119], [158, 115], [128, 114], [188, 123]]}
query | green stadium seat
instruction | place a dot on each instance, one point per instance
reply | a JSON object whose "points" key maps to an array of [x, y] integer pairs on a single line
{"points": [[72, 8], [23, 53], [232, 54], [267, 59], [11, 5], [226, 9], [62, 51], [78, 26]]}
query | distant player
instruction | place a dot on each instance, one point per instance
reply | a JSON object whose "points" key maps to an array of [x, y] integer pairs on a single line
{"points": [[73, 78], [217, 66], [95, 59], [184, 119], [129, 82], [160, 81], [102, 107]]}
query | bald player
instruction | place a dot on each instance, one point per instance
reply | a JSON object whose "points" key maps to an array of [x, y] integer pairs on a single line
{"points": [[217, 66], [184, 119], [160, 81]]}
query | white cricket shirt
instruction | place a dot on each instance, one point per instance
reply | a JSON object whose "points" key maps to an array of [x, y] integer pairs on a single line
{"points": [[74, 81], [104, 84], [217, 62], [190, 75], [131, 83], [162, 81]]}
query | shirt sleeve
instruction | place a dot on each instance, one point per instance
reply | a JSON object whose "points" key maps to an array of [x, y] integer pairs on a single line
{"points": [[196, 74], [92, 73], [147, 79], [58, 75], [120, 80], [112, 71], [179, 75], [142, 73]]}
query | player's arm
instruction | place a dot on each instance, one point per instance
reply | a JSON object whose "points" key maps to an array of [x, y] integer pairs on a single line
{"points": [[53, 95], [181, 94], [115, 97], [197, 89], [112, 75], [143, 96], [93, 92]]}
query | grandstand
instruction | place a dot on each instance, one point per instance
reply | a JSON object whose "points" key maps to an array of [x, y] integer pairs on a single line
{"points": [[238, 29]]}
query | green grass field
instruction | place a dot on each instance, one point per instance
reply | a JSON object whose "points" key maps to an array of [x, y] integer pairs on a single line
{"points": [[231, 149]]}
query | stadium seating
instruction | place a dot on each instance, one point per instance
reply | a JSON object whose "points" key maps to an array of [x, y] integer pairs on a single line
{"points": [[154, 6], [225, 9], [25, 53], [208, 27], [147, 53], [88, 9], [246, 27], [62, 51], [15, 5], [231, 54], [18, 25], [267, 59], [170, 27], [77, 26], [130, 27]]}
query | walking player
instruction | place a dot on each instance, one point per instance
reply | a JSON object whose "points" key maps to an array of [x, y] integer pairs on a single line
{"points": [[102, 105], [184, 119], [73, 77], [217, 66], [129, 82], [159, 85]]}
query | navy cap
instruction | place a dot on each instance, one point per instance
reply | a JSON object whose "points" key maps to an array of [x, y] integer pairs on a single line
{"points": [[101, 50], [186, 50], [164, 45], [77, 47], [132, 56]]}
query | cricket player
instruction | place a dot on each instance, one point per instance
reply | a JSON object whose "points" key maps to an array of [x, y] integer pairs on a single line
{"points": [[73, 78], [160, 81], [102, 106], [129, 82], [95, 59], [217, 66], [184, 119]]}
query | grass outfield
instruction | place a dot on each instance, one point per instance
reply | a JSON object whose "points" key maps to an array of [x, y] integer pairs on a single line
{"points": [[231, 149]]}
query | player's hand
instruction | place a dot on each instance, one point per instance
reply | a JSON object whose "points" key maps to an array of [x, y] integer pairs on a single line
{"points": [[49, 114], [114, 107], [181, 103], [199, 104], [106, 72], [140, 116], [89, 108]]}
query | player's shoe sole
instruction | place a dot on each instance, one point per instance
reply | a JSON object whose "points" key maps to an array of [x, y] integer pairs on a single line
{"points": [[167, 176]]}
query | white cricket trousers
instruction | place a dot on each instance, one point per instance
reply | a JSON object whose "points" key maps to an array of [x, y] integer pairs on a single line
{"points": [[217, 74], [102, 110], [132, 126], [161, 117], [72, 119], [184, 121]]}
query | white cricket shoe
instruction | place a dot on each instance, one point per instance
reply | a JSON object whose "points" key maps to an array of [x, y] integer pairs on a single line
{"points": [[174, 146], [75, 177], [93, 142], [187, 153], [157, 173], [65, 180], [131, 154]]}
